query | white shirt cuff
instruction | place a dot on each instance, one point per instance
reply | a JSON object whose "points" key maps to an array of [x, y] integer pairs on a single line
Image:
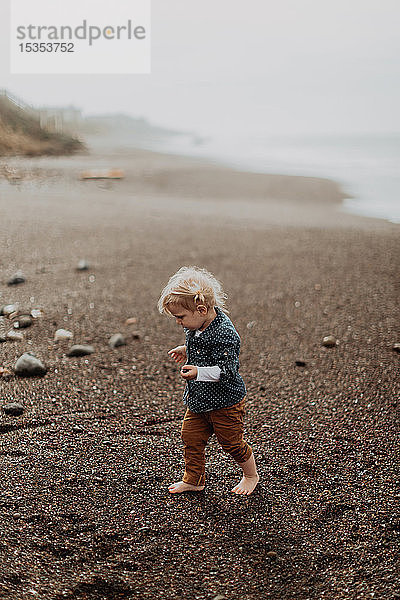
{"points": [[208, 373]]}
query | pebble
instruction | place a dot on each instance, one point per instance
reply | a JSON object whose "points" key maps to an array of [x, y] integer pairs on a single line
{"points": [[396, 348], [329, 341], [80, 350], [131, 321], [17, 278], [117, 340], [3, 329], [23, 322], [14, 409], [8, 309], [36, 313], [272, 554], [63, 334], [83, 265], [15, 336], [29, 366]]}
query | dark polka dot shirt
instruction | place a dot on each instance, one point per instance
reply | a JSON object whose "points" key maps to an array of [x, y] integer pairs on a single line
{"points": [[219, 344]]}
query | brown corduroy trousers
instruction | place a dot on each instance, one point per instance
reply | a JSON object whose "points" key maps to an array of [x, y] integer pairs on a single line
{"points": [[197, 428]]}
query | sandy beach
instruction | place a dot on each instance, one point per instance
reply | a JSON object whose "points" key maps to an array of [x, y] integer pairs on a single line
{"points": [[86, 513]]}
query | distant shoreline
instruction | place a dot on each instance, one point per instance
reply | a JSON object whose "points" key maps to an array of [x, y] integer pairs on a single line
{"points": [[365, 167]]}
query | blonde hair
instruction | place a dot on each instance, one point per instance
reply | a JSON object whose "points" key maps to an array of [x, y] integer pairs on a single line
{"points": [[191, 286]]}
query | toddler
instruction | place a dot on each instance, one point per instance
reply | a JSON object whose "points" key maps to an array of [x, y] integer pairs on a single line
{"points": [[214, 392]]}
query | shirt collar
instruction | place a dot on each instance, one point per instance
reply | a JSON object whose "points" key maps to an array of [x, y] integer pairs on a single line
{"points": [[212, 326]]}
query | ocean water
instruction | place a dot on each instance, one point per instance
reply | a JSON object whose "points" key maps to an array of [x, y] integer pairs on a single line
{"points": [[367, 167]]}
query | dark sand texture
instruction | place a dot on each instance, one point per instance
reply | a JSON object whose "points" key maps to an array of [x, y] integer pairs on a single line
{"points": [[85, 509]]}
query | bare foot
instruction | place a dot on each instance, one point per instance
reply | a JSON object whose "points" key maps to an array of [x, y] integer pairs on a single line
{"points": [[246, 485], [181, 486]]}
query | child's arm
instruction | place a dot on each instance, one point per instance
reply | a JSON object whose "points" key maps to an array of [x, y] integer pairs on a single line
{"points": [[210, 374], [225, 354]]}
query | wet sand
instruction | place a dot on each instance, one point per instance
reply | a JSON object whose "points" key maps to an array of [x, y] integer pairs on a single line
{"points": [[86, 513]]}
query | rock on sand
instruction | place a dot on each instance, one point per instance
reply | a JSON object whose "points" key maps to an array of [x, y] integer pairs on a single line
{"points": [[329, 341], [15, 336], [80, 350], [3, 329], [29, 366], [63, 334], [19, 277], [23, 321], [15, 409], [82, 265], [117, 340]]}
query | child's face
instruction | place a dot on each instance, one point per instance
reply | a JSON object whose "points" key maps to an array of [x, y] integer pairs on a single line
{"points": [[187, 318]]}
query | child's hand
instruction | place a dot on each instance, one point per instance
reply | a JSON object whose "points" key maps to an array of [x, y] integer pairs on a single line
{"points": [[178, 354], [188, 372]]}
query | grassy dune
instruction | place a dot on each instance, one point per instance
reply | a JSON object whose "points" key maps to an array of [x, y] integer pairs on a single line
{"points": [[20, 133]]}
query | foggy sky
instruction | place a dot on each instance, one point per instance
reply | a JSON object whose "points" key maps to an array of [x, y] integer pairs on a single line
{"points": [[255, 66]]}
